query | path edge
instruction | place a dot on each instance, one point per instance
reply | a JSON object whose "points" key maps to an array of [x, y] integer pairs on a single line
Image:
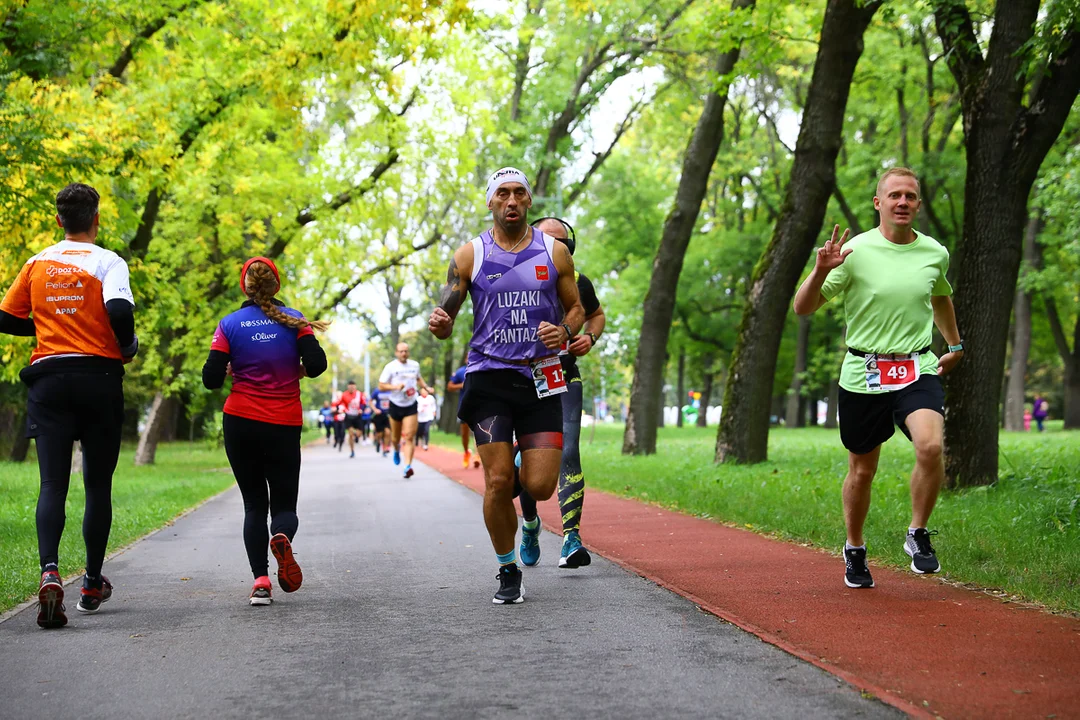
{"points": [[70, 580]]}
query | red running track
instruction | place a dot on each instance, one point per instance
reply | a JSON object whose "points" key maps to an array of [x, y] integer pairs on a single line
{"points": [[925, 647]]}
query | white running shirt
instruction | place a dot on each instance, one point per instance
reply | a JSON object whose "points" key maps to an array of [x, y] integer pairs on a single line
{"points": [[425, 408], [397, 372]]}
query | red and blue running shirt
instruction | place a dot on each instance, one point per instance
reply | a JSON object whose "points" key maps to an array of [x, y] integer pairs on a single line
{"points": [[266, 367]]}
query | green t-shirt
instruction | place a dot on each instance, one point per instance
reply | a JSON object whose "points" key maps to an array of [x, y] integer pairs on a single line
{"points": [[887, 290]]}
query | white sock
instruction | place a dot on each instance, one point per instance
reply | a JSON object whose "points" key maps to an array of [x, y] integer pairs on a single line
{"points": [[849, 546], [532, 524], [911, 530]]}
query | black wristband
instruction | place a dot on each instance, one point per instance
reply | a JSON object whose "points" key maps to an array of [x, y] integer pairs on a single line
{"points": [[569, 334]]}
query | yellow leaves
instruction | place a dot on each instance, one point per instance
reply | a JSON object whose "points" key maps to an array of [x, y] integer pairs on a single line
{"points": [[257, 229]]}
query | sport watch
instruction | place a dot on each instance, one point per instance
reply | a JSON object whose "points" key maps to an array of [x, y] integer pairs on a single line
{"points": [[957, 348], [592, 336]]}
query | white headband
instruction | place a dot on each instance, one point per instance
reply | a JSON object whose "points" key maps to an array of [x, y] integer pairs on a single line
{"points": [[507, 175]]}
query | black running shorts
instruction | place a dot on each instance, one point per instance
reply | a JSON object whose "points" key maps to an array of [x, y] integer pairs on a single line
{"points": [[501, 404], [400, 413], [354, 421], [867, 420], [381, 422]]}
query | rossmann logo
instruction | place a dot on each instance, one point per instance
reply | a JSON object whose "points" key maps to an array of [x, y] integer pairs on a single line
{"points": [[263, 337], [255, 323], [53, 271]]}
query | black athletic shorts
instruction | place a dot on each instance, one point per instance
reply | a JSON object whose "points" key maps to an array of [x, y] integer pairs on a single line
{"points": [[867, 421], [354, 421], [79, 406], [400, 413], [501, 404], [381, 422]]}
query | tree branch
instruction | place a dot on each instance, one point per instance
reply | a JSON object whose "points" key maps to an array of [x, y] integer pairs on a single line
{"points": [[1058, 331], [957, 33], [849, 214], [128, 53]]}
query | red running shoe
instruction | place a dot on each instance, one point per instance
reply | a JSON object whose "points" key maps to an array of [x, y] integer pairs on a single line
{"points": [[289, 575], [51, 610], [260, 592], [90, 597]]}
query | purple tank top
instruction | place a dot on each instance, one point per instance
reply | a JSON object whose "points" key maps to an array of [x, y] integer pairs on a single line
{"points": [[512, 293]]}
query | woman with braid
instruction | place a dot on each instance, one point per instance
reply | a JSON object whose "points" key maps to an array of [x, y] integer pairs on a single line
{"points": [[266, 347]]}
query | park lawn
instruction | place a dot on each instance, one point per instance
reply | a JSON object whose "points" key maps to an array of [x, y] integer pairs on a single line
{"points": [[144, 499], [1021, 535]]}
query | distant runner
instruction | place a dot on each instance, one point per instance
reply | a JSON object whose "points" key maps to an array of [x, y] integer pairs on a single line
{"points": [[354, 402], [425, 416], [401, 379], [894, 286], [380, 420], [326, 417]]}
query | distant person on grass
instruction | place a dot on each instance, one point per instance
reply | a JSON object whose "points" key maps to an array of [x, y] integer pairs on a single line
{"points": [[1041, 411], [75, 298], [425, 416], [267, 348], [894, 289]]}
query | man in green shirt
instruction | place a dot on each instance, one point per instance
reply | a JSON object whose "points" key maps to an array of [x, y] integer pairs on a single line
{"points": [[892, 279]]}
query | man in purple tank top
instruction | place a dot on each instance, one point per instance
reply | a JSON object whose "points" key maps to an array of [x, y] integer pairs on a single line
{"points": [[525, 305]]}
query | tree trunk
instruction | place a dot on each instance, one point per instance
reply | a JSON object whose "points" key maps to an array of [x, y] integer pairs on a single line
{"points": [[681, 392], [448, 421], [832, 414], [1071, 360], [1021, 344], [1072, 393], [744, 425], [640, 435], [794, 415], [1005, 144], [160, 410]]}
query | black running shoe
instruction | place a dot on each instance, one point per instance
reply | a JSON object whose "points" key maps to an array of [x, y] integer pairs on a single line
{"points": [[918, 547], [92, 595], [510, 590], [857, 574], [51, 610]]}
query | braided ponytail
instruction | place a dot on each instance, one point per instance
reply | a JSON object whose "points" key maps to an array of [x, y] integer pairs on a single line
{"points": [[261, 285]]}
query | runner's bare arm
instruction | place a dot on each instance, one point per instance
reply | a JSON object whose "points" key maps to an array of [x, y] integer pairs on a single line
{"points": [[594, 323], [441, 322], [551, 335], [809, 299], [945, 319]]}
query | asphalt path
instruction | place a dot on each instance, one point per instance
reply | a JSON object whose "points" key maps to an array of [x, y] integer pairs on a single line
{"points": [[394, 620]]}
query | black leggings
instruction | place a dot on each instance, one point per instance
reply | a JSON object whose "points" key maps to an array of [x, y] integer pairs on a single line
{"points": [[265, 460], [64, 408]]}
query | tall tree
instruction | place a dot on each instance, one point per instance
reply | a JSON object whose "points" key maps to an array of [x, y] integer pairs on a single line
{"points": [[1009, 128], [645, 395], [744, 424]]}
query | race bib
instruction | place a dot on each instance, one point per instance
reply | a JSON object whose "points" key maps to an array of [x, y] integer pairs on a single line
{"points": [[548, 375], [891, 372]]}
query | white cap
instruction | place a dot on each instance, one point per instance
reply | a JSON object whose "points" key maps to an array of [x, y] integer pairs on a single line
{"points": [[507, 175]]}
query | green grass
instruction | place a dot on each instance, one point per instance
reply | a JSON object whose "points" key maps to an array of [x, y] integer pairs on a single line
{"points": [[1021, 535], [144, 499]]}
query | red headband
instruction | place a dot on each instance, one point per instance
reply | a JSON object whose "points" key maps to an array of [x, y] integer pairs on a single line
{"points": [[268, 261]]}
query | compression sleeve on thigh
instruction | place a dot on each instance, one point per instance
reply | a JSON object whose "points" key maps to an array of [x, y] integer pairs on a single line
{"points": [[541, 441]]}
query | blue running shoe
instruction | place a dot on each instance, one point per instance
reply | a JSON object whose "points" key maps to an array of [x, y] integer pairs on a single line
{"points": [[397, 457], [529, 552], [573, 555]]}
